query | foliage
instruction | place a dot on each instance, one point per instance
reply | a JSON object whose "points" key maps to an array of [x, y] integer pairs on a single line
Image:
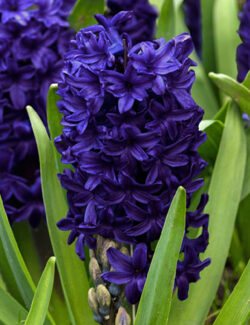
{"points": [[227, 179]]}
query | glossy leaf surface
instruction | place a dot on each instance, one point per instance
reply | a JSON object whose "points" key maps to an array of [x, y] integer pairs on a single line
{"points": [[236, 310], [11, 312], [156, 298], [225, 192], [71, 270], [42, 295], [234, 89]]}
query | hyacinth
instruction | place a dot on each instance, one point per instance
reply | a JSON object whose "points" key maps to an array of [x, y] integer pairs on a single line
{"points": [[192, 9], [131, 133], [34, 35], [243, 50], [141, 27]]}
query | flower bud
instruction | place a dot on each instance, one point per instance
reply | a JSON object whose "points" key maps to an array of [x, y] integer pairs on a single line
{"points": [[91, 253], [93, 303], [124, 251], [104, 299], [95, 271], [103, 254], [99, 244], [122, 317], [92, 299], [115, 289]]}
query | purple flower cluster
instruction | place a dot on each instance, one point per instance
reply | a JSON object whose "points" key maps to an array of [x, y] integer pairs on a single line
{"points": [[33, 38], [141, 27], [243, 50], [192, 9], [131, 133]]}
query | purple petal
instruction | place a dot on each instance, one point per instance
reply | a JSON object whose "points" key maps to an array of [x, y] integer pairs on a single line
{"points": [[125, 103], [119, 261], [117, 277], [79, 247], [140, 256], [132, 293]]}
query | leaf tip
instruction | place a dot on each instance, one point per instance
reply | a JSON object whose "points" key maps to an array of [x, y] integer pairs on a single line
{"points": [[52, 260], [181, 189], [211, 75], [53, 86], [29, 108]]}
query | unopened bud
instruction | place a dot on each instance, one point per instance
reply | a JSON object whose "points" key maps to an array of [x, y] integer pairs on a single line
{"points": [[103, 254], [104, 299], [124, 251], [92, 299], [122, 317], [95, 271], [115, 289], [93, 303], [99, 244], [91, 253]]}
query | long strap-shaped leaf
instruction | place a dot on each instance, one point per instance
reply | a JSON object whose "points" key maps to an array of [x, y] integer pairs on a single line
{"points": [[236, 310], [42, 295], [71, 270], [7, 276], [54, 118], [18, 267], [25, 241], [157, 294], [11, 312], [225, 191], [53, 115], [226, 24], [208, 50], [236, 90], [20, 272], [209, 149]]}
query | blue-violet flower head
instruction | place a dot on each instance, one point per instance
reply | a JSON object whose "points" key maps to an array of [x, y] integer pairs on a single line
{"points": [[34, 35], [131, 133], [243, 50]]}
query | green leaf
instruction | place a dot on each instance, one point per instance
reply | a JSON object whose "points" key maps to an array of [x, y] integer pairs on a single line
{"points": [[25, 241], [156, 298], [21, 274], [243, 225], [57, 307], [82, 14], [71, 270], [234, 89], [54, 117], [42, 295], [17, 265], [246, 185], [221, 114], [196, 197], [246, 81], [209, 149], [208, 49], [11, 311], [55, 129], [237, 309], [236, 254], [224, 191], [166, 21], [8, 277], [157, 4], [225, 25], [202, 91]]}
